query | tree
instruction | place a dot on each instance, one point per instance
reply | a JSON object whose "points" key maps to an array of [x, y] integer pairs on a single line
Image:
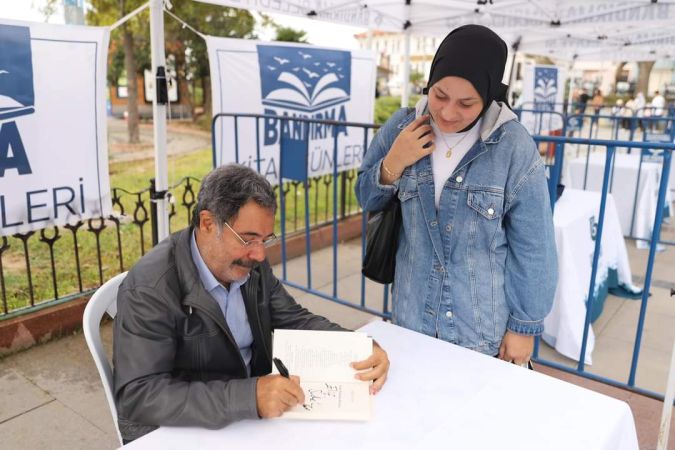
{"points": [[644, 71], [48, 9], [125, 46], [288, 34], [189, 49], [417, 80]]}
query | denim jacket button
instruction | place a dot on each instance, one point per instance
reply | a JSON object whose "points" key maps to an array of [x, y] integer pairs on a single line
{"points": [[491, 211], [448, 227], [459, 179], [433, 223], [448, 314]]}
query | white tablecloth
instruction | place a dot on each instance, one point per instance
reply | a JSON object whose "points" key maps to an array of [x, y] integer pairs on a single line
{"points": [[622, 187], [439, 396], [575, 218]]}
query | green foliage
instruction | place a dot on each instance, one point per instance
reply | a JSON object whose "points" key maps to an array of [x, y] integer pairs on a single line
{"points": [[288, 34], [188, 49], [107, 12], [212, 20], [386, 106], [417, 79]]}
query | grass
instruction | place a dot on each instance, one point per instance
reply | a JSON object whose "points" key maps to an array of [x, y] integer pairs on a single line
{"points": [[119, 244]]}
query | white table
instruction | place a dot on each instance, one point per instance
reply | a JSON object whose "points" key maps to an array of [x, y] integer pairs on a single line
{"points": [[439, 396], [623, 188], [575, 219]]}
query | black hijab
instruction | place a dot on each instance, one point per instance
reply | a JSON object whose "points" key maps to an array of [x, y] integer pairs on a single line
{"points": [[478, 55]]}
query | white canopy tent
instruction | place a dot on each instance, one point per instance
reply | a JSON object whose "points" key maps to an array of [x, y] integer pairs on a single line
{"points": [[615, 30]]}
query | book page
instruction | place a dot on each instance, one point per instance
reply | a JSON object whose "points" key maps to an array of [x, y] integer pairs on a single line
{"points": [[321, 359], [326, 400], [318, 355]]}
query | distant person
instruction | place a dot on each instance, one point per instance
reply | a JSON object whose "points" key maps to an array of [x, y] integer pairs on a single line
{"points": [[639, 107], [582, 101], [658, 105], [628, 112], [597, 101], [192, 339]]}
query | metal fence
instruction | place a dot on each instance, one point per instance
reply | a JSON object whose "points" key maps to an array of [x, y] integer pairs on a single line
{"points": [[59, 264], [610, 147], [112, 245]]}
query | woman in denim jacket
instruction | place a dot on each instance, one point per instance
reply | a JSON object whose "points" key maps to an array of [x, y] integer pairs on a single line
{"points": [[476, 261]]}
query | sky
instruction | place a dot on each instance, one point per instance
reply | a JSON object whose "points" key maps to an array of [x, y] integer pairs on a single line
{"points": [[318, 33]]}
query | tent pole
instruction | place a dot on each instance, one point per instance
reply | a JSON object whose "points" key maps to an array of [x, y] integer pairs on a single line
{"points": [[405, 79], [570, 95], [512, 71], [159, 116]]}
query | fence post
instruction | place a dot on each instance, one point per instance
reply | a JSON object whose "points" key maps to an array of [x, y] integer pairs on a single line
{"points": [[153, 212], [343, 195], [667, 413]]}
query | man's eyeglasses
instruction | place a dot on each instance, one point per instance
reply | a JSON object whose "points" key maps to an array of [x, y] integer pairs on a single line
{"points": [[253, 243]]}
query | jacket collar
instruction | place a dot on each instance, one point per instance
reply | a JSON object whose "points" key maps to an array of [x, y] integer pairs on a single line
{"points": [[195, 294], [491, 130]]}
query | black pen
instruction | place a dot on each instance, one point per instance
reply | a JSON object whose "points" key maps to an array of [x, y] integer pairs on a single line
{"points": [[283, 371]]}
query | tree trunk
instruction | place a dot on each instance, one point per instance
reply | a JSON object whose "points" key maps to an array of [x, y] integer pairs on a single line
{"points": [[184, 97], [618, 75], [206, 93], [644, 70], [132, 86]]}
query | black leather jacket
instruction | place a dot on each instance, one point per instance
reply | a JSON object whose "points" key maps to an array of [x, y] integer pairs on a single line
{"points": [[175, 360]]}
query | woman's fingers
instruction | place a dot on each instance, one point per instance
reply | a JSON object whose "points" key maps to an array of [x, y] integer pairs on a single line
{"points": [[419, 121]]}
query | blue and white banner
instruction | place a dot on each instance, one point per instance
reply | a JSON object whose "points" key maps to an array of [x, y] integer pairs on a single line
{"points": [[53, 140], [289, 80], [543, 90]]}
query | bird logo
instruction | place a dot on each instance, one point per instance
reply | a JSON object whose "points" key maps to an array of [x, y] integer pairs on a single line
{"points": [[310, 74]]}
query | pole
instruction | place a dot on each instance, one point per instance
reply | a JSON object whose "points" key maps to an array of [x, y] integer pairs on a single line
{"points": [[405, 79], [159, 116]]}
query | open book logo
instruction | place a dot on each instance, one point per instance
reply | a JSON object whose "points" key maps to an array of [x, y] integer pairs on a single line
{"points": [[17, 97], [545, 87], [304, 79]]}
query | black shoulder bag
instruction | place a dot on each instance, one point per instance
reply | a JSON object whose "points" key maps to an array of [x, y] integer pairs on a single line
{"points": [[382, 231], [381, 243]]}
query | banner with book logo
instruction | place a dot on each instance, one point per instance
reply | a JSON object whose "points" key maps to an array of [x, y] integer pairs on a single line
{"points": [[294, 81], [53, 143], [543, 89]]}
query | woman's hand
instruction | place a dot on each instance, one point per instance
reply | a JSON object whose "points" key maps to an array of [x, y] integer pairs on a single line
{"points": [[412, 144], [516, 347], [376, 368]]}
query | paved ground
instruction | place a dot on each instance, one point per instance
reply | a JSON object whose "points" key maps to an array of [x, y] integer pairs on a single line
{"points": [[182, 137]]}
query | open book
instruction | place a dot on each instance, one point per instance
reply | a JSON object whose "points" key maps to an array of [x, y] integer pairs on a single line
{"points": [[321, 359]]}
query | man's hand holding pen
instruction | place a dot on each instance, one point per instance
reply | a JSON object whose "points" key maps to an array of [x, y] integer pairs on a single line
{"points": [[276, 394]]}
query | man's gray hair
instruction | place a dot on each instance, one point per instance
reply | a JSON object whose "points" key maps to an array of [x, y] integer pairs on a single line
{"points": [[227, 188]]}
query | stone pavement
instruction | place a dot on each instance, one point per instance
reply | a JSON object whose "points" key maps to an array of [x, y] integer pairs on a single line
{"points": [[181, 138]]}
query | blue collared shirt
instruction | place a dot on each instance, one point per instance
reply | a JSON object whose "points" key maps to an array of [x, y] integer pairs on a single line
{"points": [[231, 304]]}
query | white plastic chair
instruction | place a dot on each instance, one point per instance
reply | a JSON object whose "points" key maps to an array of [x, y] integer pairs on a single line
{"points": [[103, 300]]}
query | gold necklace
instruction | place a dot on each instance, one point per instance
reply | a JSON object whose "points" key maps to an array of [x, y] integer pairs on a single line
{"points": [[448, 154]]}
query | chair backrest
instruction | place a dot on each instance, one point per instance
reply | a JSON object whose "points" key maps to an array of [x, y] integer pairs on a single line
{"points": [[103, 300]]}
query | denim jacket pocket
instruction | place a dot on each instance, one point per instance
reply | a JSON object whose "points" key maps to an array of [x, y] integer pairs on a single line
{"points": [[489, 204], [407, 188]]}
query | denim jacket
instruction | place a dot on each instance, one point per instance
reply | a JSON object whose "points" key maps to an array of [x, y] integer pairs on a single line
{"points": [[485, 261]]}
